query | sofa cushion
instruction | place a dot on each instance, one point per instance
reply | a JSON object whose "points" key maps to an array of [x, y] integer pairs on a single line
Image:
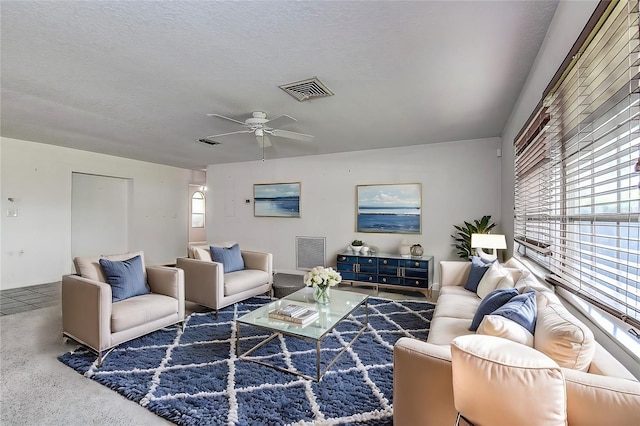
{"points": [[126, 277], [564, 338], [247, 279], [499, 326], [601, 400], [478, 269], [444, 329], [493, 301], [89, 267], [498, 382], [457, 305], [230, 257], [141, 310], [521, 309]]}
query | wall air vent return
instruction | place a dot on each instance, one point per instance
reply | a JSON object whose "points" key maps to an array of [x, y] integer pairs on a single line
{"points": [[307, 89], [310, 252]]}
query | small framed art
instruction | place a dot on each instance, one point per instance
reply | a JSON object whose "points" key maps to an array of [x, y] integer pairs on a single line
{"points": [[276, 199]]}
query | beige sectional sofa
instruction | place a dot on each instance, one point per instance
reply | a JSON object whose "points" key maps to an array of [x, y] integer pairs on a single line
{"points": [[599, 390], [206, 283]]}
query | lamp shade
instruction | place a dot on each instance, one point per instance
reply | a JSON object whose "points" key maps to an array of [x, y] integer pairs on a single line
{"points": [[489, 241]]}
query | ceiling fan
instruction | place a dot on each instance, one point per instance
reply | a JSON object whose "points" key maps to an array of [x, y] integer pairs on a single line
{"points": [[262, 128]]}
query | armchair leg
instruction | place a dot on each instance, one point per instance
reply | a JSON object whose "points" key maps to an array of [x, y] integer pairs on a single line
{"points": [[103, 355], [465, 421]]}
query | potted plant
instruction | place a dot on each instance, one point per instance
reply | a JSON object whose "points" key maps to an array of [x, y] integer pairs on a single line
{"points": [[356, 245], [463, 239]]}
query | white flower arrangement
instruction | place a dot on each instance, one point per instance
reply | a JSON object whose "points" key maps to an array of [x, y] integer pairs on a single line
{"points": [[322, 277]]}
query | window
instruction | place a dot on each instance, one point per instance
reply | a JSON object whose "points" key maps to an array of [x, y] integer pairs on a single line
{"points": [[197, 210], [577, 199]]}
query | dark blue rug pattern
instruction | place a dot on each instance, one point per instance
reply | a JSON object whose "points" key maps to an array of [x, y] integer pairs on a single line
{"points": [[195, 378]]}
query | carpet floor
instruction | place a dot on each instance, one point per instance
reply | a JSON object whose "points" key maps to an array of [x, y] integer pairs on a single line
{"points": [[195, 377]]}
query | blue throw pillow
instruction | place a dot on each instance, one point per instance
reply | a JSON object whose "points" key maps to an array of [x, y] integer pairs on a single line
{"points": [[520, 309], [231, 258], [478, 268], [490, 303], [126, 278]]}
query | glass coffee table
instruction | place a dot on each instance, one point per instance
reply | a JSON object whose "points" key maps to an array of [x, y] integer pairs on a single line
{"points": [[343, 303]]}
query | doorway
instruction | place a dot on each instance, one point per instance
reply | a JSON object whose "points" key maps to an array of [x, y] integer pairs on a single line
{"points": [[197, 217], [99, 215]]}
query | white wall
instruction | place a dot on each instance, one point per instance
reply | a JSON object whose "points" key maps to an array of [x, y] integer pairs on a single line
{"points": [[567, 24], [36, 245], [460, 181]]}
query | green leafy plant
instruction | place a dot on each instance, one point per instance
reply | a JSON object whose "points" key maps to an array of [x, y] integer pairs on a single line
{"points": [[463, 238], [357, 243]]}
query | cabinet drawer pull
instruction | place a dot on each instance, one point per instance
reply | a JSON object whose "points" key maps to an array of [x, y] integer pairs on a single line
{"points": [[417, 263], [370, 278], [417, 282], [384, 280], [343, 258], [370, 260], [384, 261]]}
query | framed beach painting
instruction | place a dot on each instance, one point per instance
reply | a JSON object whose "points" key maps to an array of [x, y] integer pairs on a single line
{"points": [[391, 208], [276, 199]]}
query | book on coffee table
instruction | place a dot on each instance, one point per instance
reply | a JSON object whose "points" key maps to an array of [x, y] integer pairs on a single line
{"points": [[295, 314]]}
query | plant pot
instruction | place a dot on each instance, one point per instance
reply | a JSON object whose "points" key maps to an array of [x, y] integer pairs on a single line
{"points": [[356, 249]]}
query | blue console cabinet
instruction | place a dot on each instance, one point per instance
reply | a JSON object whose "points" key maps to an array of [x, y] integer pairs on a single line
{"points": [[387, 270]]}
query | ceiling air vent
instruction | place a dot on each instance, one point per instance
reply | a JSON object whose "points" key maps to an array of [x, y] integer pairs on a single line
{"points": [[307, 89], [208, 141]]}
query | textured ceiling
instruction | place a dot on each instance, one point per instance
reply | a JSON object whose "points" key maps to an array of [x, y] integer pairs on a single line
{"points": [[136, 78]]}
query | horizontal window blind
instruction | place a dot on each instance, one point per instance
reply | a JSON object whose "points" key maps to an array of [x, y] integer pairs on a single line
{"points": [[577, 201]]}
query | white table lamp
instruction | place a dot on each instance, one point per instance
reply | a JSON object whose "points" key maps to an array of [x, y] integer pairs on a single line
{"points": [[488, 241]]}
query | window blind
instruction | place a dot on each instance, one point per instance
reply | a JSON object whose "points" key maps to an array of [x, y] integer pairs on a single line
{"points": [[577, 201]]}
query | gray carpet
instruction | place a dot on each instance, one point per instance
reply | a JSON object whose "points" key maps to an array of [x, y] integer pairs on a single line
{"points": [[37, 389]]}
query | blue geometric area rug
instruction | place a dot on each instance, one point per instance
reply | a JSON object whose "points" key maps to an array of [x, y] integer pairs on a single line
{"points": [[195, 378]]}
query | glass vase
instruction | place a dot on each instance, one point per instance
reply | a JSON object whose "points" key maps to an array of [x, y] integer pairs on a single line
{"points": [[321, 295]]}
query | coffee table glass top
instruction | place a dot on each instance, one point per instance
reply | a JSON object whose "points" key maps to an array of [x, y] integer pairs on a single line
{"points": [[341, 305]]}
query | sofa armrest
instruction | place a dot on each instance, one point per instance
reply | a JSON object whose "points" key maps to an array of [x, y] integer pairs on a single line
{"points": [[454, 272], [258, 260], [601, 400], [82, 298], [204, 281], [167, 281], [422, 384]]}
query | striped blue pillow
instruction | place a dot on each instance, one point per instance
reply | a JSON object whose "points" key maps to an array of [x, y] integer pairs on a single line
{"points": [[126, 278], [230, 257]]}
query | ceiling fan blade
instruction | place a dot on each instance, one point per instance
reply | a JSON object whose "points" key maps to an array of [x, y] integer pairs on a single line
{"points": [[226, 118], [292, 135], [264, 141], [230, 133], [283, 120]]}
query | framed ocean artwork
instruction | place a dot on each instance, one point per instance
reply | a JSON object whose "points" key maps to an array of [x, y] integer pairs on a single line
{"points": [[276, 199], [390, 208]]}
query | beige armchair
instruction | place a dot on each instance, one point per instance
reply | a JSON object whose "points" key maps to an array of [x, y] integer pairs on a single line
{"points": [[91, 318], [206, 283]]}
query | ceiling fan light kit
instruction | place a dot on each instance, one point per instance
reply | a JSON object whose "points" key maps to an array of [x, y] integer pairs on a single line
{"points": [[261, 127]]}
